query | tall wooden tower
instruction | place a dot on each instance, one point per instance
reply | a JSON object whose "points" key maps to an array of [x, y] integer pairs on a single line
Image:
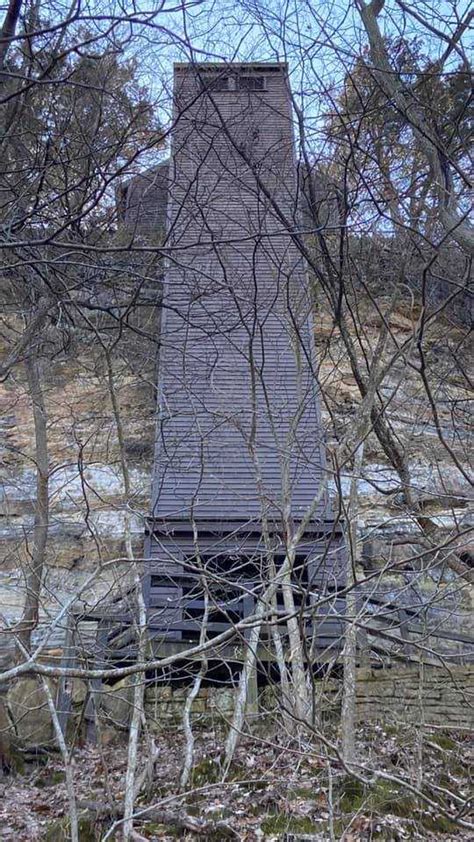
{"points": [[240, 457]]}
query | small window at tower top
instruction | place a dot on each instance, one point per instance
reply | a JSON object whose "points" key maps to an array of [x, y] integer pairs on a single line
{"points": [[251, 83], [221, 83]]}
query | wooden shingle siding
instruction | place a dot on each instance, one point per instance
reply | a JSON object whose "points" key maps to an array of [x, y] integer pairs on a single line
{"points": [[239, 435], [238, 392]]}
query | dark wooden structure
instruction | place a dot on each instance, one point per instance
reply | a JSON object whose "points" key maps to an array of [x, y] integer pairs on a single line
{"points": [[240, 456], [142, 201], [390, 633]]}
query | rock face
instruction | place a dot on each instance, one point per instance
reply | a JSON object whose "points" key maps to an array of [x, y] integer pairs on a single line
{"points": [[116, 704], [29, 713], [89, 510], [437, 453]]}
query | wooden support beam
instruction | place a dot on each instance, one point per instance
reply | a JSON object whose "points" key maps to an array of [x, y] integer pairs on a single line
{"points": [[95, 684], [65, 686]]}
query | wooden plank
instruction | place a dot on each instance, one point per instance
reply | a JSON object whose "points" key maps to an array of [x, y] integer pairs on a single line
{"points": [[404, 633], [198, 604], [187, 625], [95, 684], [167, 526], [65, 686]]}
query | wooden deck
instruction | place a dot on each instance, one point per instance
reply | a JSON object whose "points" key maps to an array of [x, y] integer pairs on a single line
{"points": [[386, 630]]}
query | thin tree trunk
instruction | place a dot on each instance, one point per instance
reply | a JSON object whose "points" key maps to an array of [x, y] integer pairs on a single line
{"points": [[263, 607], [301, 698], [282, 668], [68, 770], [454, 221], [137, 716], [8, 29], [138, 683], [34, 573], [348, 712], [196, 686], [241, 701]]}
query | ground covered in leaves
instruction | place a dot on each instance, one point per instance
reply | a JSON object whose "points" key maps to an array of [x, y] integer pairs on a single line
{"points": [[277, 789]]}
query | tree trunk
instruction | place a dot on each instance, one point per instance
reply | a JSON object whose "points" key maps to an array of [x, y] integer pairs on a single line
{"points": [[8, 29], [34, 572], [348, 712], [454, 221]]}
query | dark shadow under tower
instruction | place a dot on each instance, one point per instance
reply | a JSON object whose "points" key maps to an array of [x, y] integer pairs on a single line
{"points": [[240, 457]]}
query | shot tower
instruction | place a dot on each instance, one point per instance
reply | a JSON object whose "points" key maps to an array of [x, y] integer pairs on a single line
{"points": [[240, 457]]}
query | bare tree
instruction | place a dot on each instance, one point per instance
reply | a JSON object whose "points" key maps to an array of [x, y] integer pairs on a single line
{"points": [[377, 218]]}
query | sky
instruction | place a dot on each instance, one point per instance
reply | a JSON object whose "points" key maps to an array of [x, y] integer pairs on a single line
{"points": [[320, 39]]}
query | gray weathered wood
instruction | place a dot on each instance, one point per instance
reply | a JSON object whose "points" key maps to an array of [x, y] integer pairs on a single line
{"points": [[65, 685]]}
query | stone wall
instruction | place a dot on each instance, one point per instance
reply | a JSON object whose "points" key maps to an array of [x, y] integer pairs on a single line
{"points": [[397, 695], [388, 695], [394, 695]]}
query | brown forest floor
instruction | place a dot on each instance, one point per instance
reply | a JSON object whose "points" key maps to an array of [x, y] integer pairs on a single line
{"points": [[275, 788]]}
